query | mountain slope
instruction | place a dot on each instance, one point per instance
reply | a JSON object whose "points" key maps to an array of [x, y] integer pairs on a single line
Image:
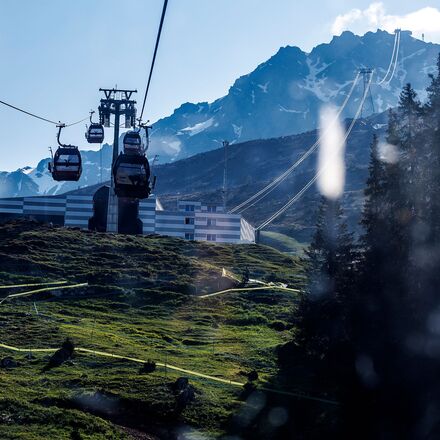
{"points": [[283, 95], [280, 97], [30, 181], [254, 164]]}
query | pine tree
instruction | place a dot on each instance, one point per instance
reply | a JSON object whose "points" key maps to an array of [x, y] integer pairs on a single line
{"points": [[410, 111], [432, 107], [322, 328], [431, 168], [389, 307]]}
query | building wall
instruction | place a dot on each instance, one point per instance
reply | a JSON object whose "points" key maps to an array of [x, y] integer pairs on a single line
{"points": [[11, 206], [247, 231], [147, 214], [191, 221], [212, 226], [78, 211]]}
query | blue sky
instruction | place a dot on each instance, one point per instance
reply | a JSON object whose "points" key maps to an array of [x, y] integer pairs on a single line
{"points": [[57, 53]]}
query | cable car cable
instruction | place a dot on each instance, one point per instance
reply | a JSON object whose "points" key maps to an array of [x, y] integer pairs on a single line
{"points": [[162, 18], [28, 113], [271, 186], [38, 117], [395, 62], [313, 180], [391, 62], [77, 122]]}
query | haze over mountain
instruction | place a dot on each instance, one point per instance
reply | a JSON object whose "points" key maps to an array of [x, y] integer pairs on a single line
{"points": [[280, 97]]}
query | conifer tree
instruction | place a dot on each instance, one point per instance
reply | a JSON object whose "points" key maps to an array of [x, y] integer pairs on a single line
{"points": [[322, 329], [431, 167]]}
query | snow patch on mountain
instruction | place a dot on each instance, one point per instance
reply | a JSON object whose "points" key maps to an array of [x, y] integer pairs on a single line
{"points": [[281, 97], [264, 87], [288, 110], [237, 130], [198, 128]]}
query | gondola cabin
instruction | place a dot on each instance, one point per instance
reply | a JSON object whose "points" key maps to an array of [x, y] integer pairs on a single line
{"points": [[131, 175], [132, 143], [66, 164], [95, 134]]}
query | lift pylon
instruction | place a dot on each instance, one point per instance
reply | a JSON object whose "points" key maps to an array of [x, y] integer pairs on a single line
{"points": [[117, 102], [366, 75]]}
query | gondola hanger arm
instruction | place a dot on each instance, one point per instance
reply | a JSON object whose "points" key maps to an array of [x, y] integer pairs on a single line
{"points": [[60, 126]]}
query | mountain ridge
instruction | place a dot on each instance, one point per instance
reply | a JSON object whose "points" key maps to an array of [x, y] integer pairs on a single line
{"points": [[280, 97]]}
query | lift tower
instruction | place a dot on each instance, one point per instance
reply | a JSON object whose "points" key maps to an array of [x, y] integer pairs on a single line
{"points": [[118, 103], [225, 175], [366, 75]]}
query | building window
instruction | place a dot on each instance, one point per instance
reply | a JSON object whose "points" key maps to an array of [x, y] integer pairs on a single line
{"points": [[212, 208], [189, 208], [211, 237], [189, 236], [189, 220], [211, 222]]}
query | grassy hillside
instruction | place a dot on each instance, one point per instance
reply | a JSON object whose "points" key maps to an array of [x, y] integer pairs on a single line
{"points": [[282, 242], [143, 301]]}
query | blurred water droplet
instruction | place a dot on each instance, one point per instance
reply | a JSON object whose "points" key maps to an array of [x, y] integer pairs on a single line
{"points": [[365, 369], [388, 153], [331, 163], [278, 416]]}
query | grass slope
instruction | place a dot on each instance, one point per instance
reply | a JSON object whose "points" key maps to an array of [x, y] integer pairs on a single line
{"points": [[282, 242], [141, 302]]}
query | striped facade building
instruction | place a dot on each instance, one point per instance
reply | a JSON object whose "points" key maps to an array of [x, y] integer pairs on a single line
{"points": [[191, 221]]}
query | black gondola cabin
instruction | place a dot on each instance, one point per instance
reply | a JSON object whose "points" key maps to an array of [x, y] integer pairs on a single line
{"points": [[131, 174], [66, 164], [95, 134], [132, 143]]}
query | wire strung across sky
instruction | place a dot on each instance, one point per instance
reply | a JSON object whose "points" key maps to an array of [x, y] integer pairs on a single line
{"points": [[40, 117], [159, 32], [271, 186], [393, 62], [299, 194]]}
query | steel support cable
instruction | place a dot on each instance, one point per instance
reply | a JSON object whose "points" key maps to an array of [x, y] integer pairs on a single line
{"points": [[395, 63], [271, 186], [39, 117], [159, 32], [311, 150], [391, 60], [77, 122], [28, 113], [313, 180]]}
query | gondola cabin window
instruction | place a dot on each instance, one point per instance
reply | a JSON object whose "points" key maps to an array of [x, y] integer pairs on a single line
{"points": [[68, 159]]}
